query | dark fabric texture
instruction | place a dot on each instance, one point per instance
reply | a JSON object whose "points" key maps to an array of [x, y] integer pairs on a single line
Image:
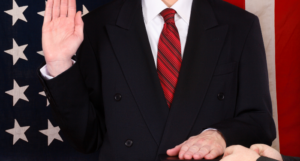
{"points": [[285, 158], [265, 159], [111, 98], [288, 158]]}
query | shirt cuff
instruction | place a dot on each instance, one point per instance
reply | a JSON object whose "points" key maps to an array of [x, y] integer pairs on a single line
{"points": [[45, 72], [208, 129]]}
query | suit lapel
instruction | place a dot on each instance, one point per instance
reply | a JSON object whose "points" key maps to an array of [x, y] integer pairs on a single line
{"points": [[204, 43], [132, 49]]}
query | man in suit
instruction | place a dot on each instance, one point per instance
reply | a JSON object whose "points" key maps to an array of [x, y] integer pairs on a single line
{"points": [[118, 94], [257, 152]]}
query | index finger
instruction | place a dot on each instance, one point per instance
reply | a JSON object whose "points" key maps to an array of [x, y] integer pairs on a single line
{"points": [[72, 8], [48, 11]]}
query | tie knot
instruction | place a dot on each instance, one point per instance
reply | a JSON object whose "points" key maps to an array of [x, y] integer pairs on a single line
{"points": [[168, 15]]}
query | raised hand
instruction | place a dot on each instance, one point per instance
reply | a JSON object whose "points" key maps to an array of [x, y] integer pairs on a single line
{"points": [[209, 145], [62, 34]]}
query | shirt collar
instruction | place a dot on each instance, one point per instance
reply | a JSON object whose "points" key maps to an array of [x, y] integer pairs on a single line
{"points": [[152, 8]]}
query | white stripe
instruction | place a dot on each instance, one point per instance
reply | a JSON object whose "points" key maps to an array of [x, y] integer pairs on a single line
{"points": [[265, 9]]}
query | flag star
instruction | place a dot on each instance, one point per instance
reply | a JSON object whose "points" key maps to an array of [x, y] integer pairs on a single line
{"points": [[84, 10], [18, 132], [42, 13], [17, 12], [43, 94], [17, 52], [18, 93], [41, 52], [52, 133]]}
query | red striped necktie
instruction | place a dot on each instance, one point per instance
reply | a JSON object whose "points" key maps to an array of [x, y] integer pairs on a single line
{"points": [[169, 55]]}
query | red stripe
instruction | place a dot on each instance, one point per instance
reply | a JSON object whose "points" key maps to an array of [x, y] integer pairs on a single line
{"points": [[170, 78], [287, 33], [165, 62], [170, 50], [239, 3]]}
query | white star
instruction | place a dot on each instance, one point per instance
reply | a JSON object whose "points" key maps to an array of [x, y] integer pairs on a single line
{"points": [[43, 94], [41, 53], [18, 132], [17, 12], [17, 52], [18, 93], [42, 13], [52, 133], [84, 10]]}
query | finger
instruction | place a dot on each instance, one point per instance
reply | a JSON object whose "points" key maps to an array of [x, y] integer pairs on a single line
{"points": [[63, 8], [229, 150], [78, 25], [174, 151], [185, 147], [56, 9], [48, 11], [258, 148], [191, 151], [213, 154], [255, 148], [72, 8], [204, 150]]}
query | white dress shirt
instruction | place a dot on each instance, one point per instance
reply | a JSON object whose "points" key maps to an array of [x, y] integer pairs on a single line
{"points": [[154, 23]]}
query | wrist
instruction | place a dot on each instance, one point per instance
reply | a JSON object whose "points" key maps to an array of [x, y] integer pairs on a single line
{"points": [[218, 136], [57, 67]]}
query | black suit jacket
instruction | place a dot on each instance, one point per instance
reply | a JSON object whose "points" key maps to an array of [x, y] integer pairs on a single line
{"points": [[111, 98], [285, 158]]}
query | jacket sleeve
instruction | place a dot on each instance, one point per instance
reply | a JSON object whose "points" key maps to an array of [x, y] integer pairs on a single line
{"points": [[252, 121], [265, 159], [76, 100], [287, 158]]}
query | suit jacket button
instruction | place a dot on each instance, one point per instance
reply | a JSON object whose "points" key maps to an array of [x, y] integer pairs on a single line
{"points": [[221, 96], [118, 97], [128, 143]]}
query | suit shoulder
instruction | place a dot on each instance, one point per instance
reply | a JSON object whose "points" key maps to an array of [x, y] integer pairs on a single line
{"points": [[105, 14], [231, 14]]}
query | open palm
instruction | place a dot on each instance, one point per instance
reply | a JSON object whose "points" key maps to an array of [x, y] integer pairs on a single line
{"points": [[62, 34]]}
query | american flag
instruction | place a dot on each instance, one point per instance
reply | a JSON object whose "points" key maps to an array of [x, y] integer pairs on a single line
{"points": [[280, 24], [27, 128]]}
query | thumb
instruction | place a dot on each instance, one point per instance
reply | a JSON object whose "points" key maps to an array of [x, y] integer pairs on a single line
{"points": [[229, 151], [78, 24], [174, 151]]}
